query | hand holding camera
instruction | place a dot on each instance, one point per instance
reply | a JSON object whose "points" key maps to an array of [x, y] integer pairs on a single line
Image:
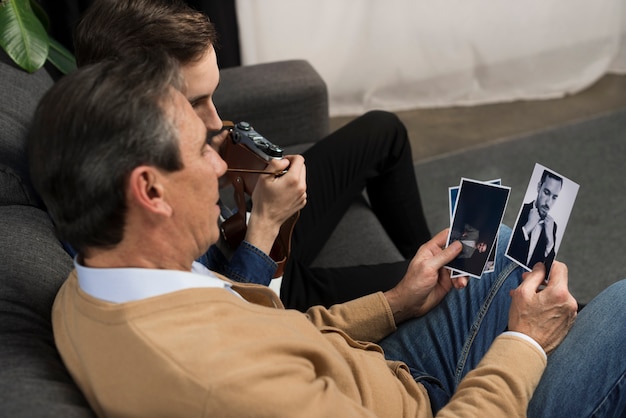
{"points": [[254, 160]]}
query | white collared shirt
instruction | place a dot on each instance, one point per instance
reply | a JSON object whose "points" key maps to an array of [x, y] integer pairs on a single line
{"points": [[534, 239], [121, 285]]}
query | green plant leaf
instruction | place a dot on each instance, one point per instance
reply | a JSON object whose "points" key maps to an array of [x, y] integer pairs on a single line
{"points": [[22, 35], [60, 57]]}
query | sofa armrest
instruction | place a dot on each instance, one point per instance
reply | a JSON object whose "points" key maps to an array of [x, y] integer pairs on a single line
{"points": [[285, 101]]}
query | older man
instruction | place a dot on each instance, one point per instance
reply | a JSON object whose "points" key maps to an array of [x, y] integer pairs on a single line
{"points": [[145, 331]]}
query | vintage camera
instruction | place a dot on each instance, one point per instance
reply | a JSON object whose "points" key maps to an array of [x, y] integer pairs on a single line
{"points": [[243, 133], [247, 154]]}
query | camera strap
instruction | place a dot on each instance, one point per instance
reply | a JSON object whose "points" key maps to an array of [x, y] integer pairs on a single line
{"points": [[234, 228]]}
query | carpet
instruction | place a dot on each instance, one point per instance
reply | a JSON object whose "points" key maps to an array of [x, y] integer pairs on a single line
{"points": [[591, 153]]}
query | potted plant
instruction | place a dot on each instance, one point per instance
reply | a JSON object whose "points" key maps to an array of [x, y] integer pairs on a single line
{"points": [[24, 37]]}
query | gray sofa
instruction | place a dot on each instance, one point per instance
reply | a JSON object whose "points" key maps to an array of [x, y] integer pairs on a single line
{"points": [[286, 101]]}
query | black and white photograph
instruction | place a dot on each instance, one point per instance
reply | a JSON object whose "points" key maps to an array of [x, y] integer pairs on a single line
{"points": [[453, 192], [477, 216], [542, 219]]}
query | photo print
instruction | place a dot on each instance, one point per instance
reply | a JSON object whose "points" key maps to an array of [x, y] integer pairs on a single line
{"points": [[478, 213], [491, 259], [542, 219]]}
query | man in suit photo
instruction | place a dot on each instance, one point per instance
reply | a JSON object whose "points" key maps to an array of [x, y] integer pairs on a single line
{"points": [[534, 236]]}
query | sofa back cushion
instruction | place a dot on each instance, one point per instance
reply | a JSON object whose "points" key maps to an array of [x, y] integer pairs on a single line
{"points": [[13, 191], [33, 265], [21, 92]]}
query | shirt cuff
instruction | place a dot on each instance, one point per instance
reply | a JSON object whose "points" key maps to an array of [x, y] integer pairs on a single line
{"points": [[527, 338], [250, 264]]}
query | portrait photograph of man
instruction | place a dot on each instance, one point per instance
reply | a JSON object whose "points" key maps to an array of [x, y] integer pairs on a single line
{"points": [[542, 219], [478, 212]]}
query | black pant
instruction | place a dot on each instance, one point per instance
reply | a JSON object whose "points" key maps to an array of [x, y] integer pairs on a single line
{"points": [[373, 153]]}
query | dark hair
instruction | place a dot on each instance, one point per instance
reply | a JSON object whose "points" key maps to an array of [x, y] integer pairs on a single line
{"points": [[90, 130], [546, 174], [116, 28]]}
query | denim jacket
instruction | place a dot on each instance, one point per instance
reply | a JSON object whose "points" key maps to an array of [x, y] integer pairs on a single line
{"points": [[248, 264]]}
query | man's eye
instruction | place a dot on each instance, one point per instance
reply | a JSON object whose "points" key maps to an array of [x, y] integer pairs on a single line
{"points": [[198, 101]]}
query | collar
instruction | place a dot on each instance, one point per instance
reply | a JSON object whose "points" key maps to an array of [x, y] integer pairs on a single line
{"points": [[121, 285]]}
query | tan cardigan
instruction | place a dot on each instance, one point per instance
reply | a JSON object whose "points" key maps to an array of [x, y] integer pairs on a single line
{"points": [[207, 353]]}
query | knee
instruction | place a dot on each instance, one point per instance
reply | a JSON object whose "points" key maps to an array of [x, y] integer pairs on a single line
{"points": [[617, 290], [386, 122], [389, 133], [610, 300], [382, 117]]}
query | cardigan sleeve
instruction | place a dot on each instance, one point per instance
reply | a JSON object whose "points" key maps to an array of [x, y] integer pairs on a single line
{"points": [[368, 318], [503, 382]]}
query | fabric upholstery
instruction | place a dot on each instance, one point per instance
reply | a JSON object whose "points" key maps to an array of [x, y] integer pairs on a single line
{"points": [[21, 92], [343, 250], [33, 265], [13, 191], [287, 102]]}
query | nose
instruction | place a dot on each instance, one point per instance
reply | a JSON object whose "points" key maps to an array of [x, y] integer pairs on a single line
{"points": [[211, 118], [220, 165]]}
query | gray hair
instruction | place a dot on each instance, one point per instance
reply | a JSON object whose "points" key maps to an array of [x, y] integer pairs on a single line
{"points": [[90, 130]]}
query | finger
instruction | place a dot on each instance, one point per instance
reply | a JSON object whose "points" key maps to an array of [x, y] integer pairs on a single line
{"points": [[535, 278], [216, 140], [558, 274], [441, 238], [297, 160], [303, 173], [446, 255], [444, 280], [459, 282], [279, 164]]}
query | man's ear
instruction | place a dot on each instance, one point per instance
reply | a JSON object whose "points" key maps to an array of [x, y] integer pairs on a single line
{"points": [[146, 189]]}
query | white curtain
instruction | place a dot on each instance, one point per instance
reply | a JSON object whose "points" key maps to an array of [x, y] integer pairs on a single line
{"points": [[404, 54]]}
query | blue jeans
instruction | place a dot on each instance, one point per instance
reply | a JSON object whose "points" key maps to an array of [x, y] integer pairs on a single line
{"points": [[586, 374], [441, 347]]}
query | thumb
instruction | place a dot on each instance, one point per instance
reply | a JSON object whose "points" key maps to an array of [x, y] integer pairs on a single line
{"points": [[279, 164], [447, 254]]}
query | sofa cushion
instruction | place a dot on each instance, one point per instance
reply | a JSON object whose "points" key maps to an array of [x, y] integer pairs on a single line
{"points": [[285, 101], [13, 191], [358, 239], [21, 92], [33, 265]]}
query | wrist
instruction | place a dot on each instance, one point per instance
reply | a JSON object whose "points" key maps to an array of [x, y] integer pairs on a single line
{"points": [[261, 233], [397, 304]]}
